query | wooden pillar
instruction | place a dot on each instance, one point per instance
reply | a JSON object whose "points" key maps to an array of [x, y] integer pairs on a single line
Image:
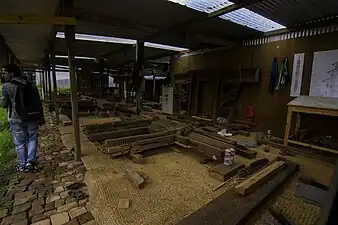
{"points": [[217, 97], [55, 91], [67, 7], [45, 89], [154, 86], [101, 77], [138, 74], [49, 81], [288, 126], [192, 78]]}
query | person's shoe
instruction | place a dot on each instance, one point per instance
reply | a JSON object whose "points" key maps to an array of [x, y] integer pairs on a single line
{"points": [[31, 167], [20, 169]]}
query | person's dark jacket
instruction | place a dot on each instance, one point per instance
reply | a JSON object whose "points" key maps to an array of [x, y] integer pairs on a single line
{"points": [[9, 91]]}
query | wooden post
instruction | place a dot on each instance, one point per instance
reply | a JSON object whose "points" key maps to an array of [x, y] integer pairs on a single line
{"points": [[196, 97], [67, 7], [55, 91], [217, 97], [101, 76], [44, 85], [138, 74], [288, 126], [190, 94], [40, 84], [154, 86], [49, 82], [297, 125]]}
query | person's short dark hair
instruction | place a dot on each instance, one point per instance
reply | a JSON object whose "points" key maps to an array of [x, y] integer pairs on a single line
{"points": [[13, 69]]}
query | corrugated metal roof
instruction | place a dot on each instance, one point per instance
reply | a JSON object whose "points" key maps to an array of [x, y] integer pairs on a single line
{"points": [[245, 17], [294, 12], [157, 13], [206, 6], [242, 16]]}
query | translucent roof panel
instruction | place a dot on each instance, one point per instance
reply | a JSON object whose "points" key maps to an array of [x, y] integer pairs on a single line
{"points": [[207, 6], [96, 38], [245, 17], [242, 16]]}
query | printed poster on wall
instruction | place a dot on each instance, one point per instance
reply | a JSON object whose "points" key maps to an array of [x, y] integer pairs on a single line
{"points": [[297, 74], [324, 77]]}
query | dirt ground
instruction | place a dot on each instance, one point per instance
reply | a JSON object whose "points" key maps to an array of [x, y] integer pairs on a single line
{"points": [[178, 185]]}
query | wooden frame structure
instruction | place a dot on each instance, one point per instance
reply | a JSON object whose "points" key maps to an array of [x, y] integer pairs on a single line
{"points": [[310, 105]]}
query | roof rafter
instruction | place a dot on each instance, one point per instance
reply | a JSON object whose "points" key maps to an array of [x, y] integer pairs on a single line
{"points": [[231, 8]]}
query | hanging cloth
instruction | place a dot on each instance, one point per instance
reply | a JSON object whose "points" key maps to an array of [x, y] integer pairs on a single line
{"points": [[273, 75], [283, 74]]}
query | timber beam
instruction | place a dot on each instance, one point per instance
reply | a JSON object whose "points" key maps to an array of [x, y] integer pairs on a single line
{"points": [[36, 19], [232, 8]]}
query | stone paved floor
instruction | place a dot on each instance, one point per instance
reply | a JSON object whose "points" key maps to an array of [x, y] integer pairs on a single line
{"points": [[55, 195]]}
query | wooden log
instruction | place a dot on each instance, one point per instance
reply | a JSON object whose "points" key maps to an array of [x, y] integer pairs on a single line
{"points": [[151, 146], [215, 136], [135, 177], [209, 150], [243, 133], [238, 208], [116, 134], [134, 138], [211, 129], [247, 153], [137, 158], [223, 172], [168, 138], [94, 128], [250, 185], [181, 139]]}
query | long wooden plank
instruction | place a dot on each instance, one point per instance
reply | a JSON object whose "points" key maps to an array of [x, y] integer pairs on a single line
{"points": [[118, 133], [208, 150], [129, 139], [313, 146], [223, 172], [135, 178], [36, 19], [247, 153], [215, 136], [233, 209], [92, 128], [249, 185]]}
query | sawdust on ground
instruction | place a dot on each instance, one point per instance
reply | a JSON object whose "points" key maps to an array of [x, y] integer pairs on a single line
{"points": [[178, 186]]}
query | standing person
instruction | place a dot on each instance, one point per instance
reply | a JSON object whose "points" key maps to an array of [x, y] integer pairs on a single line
{"points": [[25, 114]]}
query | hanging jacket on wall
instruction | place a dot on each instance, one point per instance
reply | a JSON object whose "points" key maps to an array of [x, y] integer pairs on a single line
{"points": [[283, 75], [273, 75]]}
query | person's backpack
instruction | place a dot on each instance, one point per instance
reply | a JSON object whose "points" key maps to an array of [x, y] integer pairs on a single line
{"points": [[27, 102]]}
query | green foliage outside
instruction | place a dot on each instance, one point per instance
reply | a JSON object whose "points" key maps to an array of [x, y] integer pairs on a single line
{"points": [[6, 144]]}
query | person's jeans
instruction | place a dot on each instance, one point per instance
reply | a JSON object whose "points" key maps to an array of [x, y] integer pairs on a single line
{"points": [[25, 138]]}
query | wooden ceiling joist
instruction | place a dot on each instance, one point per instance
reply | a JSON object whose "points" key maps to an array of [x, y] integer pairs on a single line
{"points": [[36, 19]]}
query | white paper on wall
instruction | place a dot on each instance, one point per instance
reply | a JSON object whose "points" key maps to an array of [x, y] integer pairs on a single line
{"points": [[324, 78], [297, 74]]}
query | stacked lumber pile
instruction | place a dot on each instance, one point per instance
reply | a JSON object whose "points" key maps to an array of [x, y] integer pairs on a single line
{"points": [[136, 144], [100, 132], [245, 197]]}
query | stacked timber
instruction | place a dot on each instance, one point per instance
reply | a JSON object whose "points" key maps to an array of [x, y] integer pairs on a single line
{"points": [[245, 198], [215, 147], [110, 130]]}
